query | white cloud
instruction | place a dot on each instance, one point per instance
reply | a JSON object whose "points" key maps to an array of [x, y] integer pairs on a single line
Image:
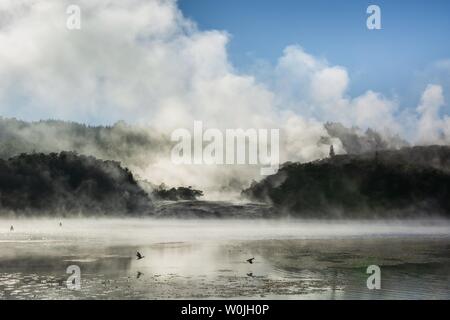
{"points": [[431, 128], [375, 111], [143, 61], [329, 84], [316, 89]]}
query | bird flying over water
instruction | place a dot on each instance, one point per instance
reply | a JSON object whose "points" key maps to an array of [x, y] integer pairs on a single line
{"points": [[139, 256], [250, 260], [139, 274]]}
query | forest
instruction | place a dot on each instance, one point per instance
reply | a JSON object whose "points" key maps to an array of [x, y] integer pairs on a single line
{"points": [[410, 182]]}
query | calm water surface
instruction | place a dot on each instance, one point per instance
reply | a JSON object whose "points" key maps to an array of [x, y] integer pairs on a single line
{"points": [[295, 259]]}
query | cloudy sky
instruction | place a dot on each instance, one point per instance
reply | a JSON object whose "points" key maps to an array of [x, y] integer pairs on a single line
{"points": [[284, 64], [414, 36]]}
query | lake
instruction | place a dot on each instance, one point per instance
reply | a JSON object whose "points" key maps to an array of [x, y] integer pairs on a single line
{"points": [[204, 259]]}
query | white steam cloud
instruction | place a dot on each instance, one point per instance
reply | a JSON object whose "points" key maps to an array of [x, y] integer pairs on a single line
{"points": [[432, 129], [142, 61]]}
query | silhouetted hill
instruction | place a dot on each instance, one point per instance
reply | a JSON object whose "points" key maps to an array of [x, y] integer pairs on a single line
{"points": [[437, 157], [408, 182], [67, 183]]}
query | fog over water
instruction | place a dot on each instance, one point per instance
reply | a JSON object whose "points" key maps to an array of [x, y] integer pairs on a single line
{"points": [[147, 230], [294, 259]]}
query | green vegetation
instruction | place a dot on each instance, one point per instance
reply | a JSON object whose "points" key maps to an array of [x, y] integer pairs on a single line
{"points": [[67, 183], [175, 194], [378, 184]]}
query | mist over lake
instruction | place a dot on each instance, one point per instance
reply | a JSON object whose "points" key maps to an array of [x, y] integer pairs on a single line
{"points": [[294, 259]]}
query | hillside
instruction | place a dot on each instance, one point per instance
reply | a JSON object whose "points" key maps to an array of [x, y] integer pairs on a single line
{"points": [[408, 182], [67, 183]]}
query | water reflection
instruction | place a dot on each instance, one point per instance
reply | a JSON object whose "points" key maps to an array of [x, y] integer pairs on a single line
{"points": [[294, 260]]}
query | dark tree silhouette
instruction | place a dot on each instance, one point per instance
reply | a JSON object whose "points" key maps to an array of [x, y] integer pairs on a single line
{"points": [[175, 194], [332, 154], [360, 186], [68, 183]]}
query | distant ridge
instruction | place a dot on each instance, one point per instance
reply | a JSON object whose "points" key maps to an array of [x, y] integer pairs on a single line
{"points": [[67, 184], [391, 183]]}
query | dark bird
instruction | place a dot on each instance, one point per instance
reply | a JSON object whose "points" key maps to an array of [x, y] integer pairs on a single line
{"points": [[60, 224], [139, 274], [250, 260], [250, 274], [139, 256], [12, 228]]}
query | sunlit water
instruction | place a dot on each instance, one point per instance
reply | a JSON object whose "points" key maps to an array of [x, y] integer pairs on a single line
{"points": [[294, 259]]}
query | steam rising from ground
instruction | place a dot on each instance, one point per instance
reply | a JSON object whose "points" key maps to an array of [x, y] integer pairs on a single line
{"points": [[146, 151], [145, 63], [145, 231]]}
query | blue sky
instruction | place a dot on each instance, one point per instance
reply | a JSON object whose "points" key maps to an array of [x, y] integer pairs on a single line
{"points": [[395, 60]]}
